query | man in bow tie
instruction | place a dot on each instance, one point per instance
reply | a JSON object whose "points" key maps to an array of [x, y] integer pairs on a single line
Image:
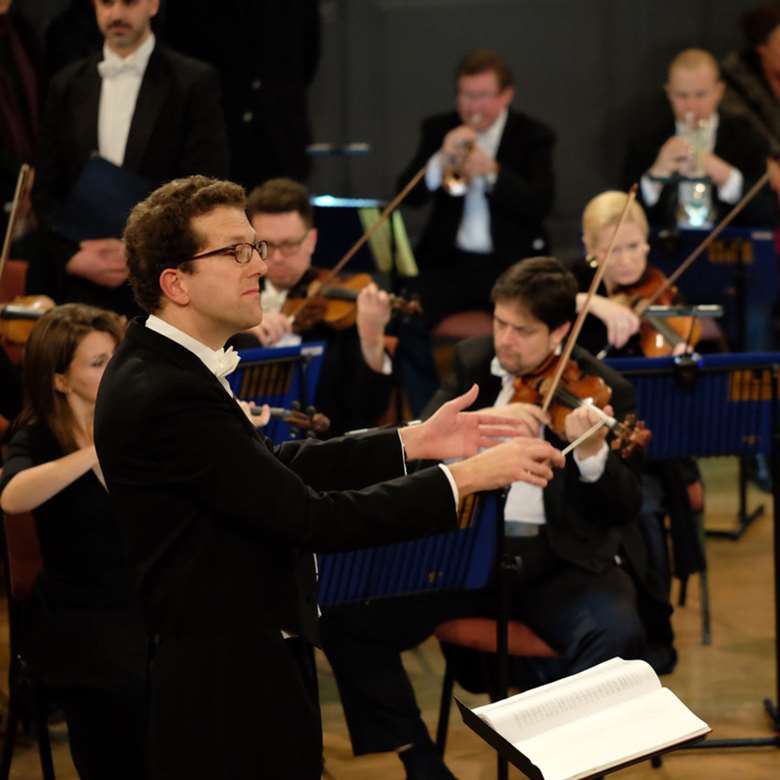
{"points": [[220, 526], [142, 107]]}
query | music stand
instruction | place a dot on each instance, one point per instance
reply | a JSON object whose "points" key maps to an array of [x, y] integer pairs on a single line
{"points": [[281, 377], [679, 398]]}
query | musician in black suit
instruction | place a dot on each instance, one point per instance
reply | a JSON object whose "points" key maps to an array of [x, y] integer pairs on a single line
{"points": [[692, 133], [220, 527], [568, 586], [143, 107], [356, 375], [504, 158]]}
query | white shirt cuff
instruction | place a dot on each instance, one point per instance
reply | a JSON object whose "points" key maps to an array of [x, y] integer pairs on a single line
{"points": [[651, 190], [731, 191], [403, 451], [387, 365], [434, 173], [593, 467], [451, 480]]}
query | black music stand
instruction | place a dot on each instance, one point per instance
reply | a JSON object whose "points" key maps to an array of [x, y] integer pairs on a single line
{"points": [[742, 392], [281, 377]]}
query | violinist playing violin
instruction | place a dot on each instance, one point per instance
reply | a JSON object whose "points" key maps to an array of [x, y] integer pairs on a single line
{"points": [[356, 376], [568, 586], [613, 326]]}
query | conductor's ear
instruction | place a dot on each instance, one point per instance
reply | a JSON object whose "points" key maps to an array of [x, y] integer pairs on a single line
{"points": [[173, 284]]}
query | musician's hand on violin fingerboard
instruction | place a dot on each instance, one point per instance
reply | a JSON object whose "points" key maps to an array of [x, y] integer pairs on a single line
{"points": [[579, 421], [102, 261], [530, 416], [373, 313], [273, 327], [620, 321]]}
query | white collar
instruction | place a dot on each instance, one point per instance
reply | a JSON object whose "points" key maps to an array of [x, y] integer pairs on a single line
{"points": [[138, 59], [496, 369], [681, 127], [492, 134], [219, 362]]}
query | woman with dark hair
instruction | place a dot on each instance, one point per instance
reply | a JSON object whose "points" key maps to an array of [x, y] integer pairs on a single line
{"points": [[752, 75], [85, 635]]}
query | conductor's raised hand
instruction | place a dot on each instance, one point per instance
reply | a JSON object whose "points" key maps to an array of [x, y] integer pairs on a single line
{"points": [[517, 460], [454, 433]]}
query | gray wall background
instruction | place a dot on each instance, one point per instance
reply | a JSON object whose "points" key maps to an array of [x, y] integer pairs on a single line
{"points": [[582, 66]]}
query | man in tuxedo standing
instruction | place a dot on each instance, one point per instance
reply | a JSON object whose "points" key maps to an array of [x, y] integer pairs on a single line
{"points": [[148, 109], [220, 526]]}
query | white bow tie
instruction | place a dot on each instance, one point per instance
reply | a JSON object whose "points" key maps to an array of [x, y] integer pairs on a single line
{"points": [[226, 363], [109, 69]]}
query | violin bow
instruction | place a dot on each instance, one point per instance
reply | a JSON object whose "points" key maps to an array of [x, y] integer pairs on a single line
{"points": [[724, 223], [22, 185], [353, 250], [594, 285]]}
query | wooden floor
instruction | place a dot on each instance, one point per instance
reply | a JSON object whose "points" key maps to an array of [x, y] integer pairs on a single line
{"points": [[723, 683]]}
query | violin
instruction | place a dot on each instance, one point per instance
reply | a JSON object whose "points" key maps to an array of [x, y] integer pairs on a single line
{"points": [[311, 422], [576, 389], [334, 302], [18, 317], [658, 336]]}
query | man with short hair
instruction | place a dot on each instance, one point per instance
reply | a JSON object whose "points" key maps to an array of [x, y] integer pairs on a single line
{"points": [[503, 159], [356, 375], [567, 585], [143, 107], [694, 140], [220, 526]]}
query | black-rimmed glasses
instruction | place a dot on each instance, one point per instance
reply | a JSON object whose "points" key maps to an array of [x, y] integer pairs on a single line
{"points": [[241, 253]]}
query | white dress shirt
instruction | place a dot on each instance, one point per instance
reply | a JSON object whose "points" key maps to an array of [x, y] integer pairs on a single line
{"points": [[474, 231], [730, 192], [220, 362], [525, 503], [118, 95]]}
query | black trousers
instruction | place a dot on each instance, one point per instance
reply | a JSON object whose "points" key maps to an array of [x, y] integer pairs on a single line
{"points": [[237, 707]]}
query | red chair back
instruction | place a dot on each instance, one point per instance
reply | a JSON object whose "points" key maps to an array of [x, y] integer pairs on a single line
{"points": [[24, 554]]}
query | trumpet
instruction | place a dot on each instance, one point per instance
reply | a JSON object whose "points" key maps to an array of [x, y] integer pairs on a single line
{"points": [[453, 180]]}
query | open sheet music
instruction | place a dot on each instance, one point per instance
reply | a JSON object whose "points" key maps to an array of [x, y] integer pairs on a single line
{"points": [[603, 717]]}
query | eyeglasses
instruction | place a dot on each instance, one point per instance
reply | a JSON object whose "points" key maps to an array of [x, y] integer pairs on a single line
{"points": [[289, 247], [241, 253], [477, 97]]}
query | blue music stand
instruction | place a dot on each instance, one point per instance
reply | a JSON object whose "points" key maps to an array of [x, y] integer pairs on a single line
{"points": [[460, 559], [710, 406], [280, 377]]}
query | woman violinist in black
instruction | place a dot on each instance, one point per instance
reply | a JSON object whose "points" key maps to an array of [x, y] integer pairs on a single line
{"points": [[671, 486], [83, 632]]}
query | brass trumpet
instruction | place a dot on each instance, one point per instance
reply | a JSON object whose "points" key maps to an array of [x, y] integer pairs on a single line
{"points": [[453, 180]]}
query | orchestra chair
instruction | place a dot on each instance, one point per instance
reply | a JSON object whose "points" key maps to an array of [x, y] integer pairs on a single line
{"points": [[26, 690], [454, 328], [480, 634]]}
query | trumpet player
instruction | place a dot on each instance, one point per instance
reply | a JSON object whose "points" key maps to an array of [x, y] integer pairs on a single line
{"points": [[489, 173], [695, 162]]}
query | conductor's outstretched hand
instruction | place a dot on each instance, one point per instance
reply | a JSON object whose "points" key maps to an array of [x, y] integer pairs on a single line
{"points": [[454, 433]]}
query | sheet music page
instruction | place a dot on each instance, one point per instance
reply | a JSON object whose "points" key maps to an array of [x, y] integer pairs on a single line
{"points": [[635, 728], [550, 706]]}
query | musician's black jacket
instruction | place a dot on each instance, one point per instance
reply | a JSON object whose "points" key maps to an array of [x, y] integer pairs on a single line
{"points": [[518, 203], [584, 520], [349, 392]]}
